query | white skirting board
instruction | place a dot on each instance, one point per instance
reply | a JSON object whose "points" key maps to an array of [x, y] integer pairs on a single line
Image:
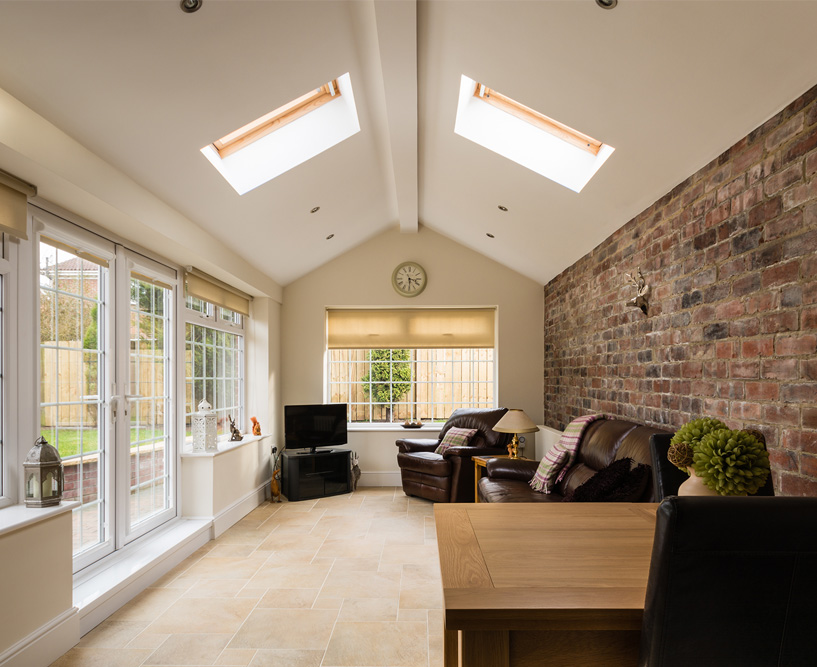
{"points": [[380, 479], [239, 509], [45, 644]]}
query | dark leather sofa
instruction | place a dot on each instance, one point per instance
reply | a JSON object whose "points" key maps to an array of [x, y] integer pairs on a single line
{"points": [[449, 477], [604, 441]]}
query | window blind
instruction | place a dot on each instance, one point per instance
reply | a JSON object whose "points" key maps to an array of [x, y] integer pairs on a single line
{"points": [[410, 328], [13, 211], [211, 289]]}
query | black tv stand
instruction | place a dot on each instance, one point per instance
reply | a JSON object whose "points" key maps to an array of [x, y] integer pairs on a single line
{"points": [[308, 474]]}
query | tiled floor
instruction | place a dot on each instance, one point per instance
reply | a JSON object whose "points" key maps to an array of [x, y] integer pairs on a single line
{"points": [[348, 581]]}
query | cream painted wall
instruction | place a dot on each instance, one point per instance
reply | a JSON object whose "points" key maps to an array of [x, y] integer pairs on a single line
{"points": [[457, 276]]}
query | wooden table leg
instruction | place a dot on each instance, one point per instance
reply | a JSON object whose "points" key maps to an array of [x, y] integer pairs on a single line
{"points": [[485, 648], [476, 482], [451, 648]]}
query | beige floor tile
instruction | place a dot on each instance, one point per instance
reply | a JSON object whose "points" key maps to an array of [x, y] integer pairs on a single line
{"points": [[199, 615], [189, 649], [241, 657], [412, 615], [215, 588], [288, 598], [364, 644], [362, 585], [102, 657], [299, 542], [280, 558], [368, 609], [296, 629], [291, 576], [350, 548], [324, 601], [248, 593], [287, 658], [356, 565], [147, 605], [436, 623], [231, 550], [112, 634], [435, 651], [227, 568], [420, 588], [145, 640], [408, 553]]}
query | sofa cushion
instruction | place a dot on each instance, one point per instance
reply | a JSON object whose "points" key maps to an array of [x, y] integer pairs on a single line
{"points": [[558, 460], [618, 482], [512, 491], [455, 437], [425, 462]]}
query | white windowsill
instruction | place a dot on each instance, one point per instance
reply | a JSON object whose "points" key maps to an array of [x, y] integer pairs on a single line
{"points": [[396, 428], [98, 582], [224, 446], [15, 517]]}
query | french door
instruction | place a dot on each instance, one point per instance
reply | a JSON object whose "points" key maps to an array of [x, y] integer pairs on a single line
{"points": [[107, 344]]}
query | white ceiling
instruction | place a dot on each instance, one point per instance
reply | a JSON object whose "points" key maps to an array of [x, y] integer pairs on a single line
{"points": [[144, 86]]}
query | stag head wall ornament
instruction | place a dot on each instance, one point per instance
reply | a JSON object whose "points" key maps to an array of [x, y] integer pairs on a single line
{"points": [[642, 291]]}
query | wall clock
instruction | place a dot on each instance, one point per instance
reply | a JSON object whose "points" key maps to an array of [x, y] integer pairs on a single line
{"points": [[409, 279]]}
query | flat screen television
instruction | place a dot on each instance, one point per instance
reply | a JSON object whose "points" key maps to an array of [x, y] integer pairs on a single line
{"points": [[311, 426]]}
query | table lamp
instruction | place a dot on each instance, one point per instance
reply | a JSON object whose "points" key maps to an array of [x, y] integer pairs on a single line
{"points": [[515, 421]]}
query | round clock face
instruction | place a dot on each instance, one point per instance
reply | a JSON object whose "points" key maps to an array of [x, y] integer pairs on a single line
{"points": [[409, 279]]}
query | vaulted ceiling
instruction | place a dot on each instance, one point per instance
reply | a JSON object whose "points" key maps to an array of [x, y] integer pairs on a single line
{"points": [[135, 89]]}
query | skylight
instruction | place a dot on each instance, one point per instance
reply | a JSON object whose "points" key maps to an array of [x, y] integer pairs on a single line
{"points": [[286, 137], [527, 137]]}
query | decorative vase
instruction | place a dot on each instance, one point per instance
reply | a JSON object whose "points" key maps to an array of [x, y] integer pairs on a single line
{"points": [[695, 486]]}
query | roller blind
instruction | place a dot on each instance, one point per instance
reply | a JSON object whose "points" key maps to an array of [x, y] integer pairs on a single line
{"points": [[210, 289], [13, 210], [410, 328]]}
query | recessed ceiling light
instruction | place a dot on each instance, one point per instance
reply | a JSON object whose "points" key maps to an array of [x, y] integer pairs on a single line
{"points": [[489, 235], [315, 209], [502, 208], [330, 236], [607, 4], [190, 6]]}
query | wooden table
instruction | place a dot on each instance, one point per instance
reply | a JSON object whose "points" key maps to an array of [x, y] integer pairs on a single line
{"points": [[479, 465], [524, 583]]}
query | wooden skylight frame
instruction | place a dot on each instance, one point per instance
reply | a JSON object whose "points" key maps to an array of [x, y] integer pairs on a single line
{"points": [[539, 120], [276, 119]]}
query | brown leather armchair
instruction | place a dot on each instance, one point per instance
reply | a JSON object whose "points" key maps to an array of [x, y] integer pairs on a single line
{"points": [[449, 477]]}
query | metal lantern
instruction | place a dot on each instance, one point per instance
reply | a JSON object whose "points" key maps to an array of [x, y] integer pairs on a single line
{"points": [[43, 475], [204, 428]]}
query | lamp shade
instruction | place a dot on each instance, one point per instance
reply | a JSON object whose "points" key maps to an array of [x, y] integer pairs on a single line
{"points": [[515, 421]]}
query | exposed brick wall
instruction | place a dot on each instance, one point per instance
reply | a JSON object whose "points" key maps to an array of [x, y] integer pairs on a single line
{"points": [[731, 255]]}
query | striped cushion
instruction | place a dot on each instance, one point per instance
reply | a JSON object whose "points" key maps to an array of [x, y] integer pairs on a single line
{"points": [[455, 437], [554, 466]]}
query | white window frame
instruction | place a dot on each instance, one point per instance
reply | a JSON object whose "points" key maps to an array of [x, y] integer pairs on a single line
{"points": [[414, 382], [211, 320], [9, 455]]}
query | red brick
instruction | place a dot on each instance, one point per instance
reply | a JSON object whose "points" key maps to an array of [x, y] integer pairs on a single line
{"points": [[716, 408], [781, 414], [703, 388], [808, 465], [691, 369], [785, 132], [746, 411], [795, 485], [779, 369], [729, 310], [781, 274], [808, 318], [783, 179], [798, 393], [760, 303], [778, 322], [810, 418], [758, 347], [783, 459], [725, 350], [745, 369], [792, 345], [808, 369], [803, 440], [762, 391]]}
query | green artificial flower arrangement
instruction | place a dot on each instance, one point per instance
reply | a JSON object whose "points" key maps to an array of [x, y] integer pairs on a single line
{"points": [[731, 463], [682, 445]]}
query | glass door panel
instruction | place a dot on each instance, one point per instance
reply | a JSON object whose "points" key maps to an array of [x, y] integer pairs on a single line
{"points": [[72, 380], [150, 425]]}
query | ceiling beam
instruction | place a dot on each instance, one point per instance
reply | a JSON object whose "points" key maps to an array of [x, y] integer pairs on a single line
{"points": [[397, 42]]}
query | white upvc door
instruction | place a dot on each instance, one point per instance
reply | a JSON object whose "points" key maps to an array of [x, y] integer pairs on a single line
{"points": [[144, 399], [107, 383]]}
